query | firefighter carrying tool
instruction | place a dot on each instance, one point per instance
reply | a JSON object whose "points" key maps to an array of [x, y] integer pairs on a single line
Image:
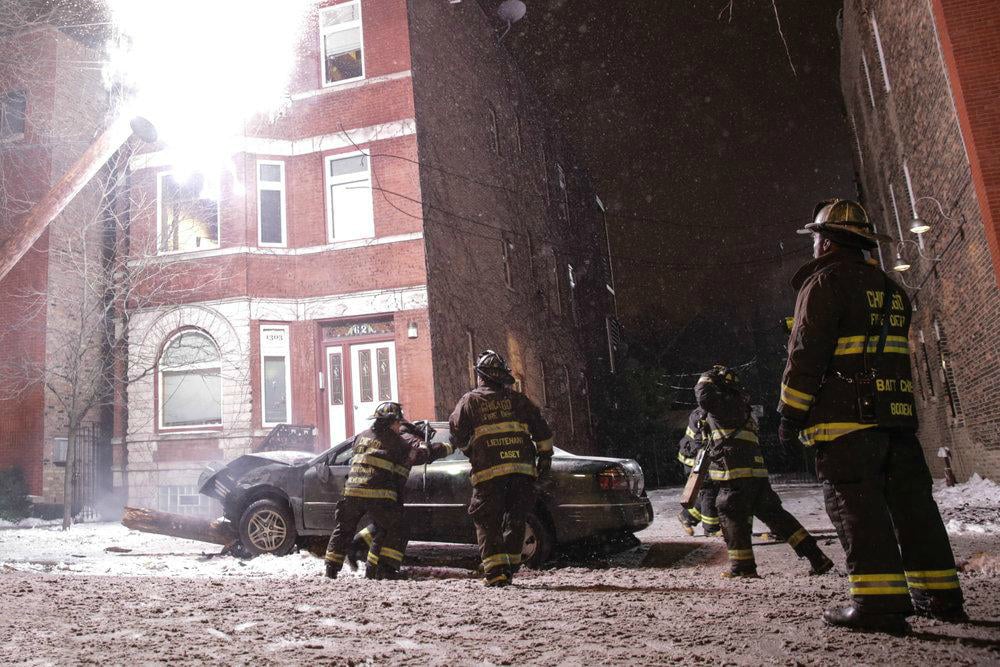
{"points": [[701, 509], [379, 469], [503, 433], [737, 466], [848, 390]]}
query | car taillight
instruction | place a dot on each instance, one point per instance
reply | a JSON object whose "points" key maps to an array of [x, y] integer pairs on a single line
{"points": [[613, 479]]}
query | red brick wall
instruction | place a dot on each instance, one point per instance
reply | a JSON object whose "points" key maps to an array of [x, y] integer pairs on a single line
{"points": [[970, 37], [916, 123]]}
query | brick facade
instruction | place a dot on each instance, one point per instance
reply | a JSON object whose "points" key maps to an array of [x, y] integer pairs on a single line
{"points": [[918, 81]]}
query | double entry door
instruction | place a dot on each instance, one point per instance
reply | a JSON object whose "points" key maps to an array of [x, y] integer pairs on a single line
{"points": [[359, 377]]}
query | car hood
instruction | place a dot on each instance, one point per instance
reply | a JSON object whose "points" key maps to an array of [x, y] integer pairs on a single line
{"points": [[288, 458], [218, 479]]}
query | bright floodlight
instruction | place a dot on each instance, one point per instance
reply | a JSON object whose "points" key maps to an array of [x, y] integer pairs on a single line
{"points": [[918, 226], [512, 11]]}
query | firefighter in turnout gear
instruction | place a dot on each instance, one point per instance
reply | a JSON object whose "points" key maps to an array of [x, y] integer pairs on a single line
{"points": [[704, 511], [737, 467], [847, 389], [509, 443], [379, 469]]}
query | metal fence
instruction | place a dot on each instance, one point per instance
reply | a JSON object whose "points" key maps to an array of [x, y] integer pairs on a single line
{"points": [[92, 473]]}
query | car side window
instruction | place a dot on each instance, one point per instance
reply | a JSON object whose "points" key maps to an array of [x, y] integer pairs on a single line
{"points": [[342, 457]]}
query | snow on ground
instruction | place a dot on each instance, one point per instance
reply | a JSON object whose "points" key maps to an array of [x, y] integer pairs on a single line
{"points": [[970, 507], [167, 601]]}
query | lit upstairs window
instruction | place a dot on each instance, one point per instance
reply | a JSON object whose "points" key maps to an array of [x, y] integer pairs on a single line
{"points": [[188, 219], [342, 43]]}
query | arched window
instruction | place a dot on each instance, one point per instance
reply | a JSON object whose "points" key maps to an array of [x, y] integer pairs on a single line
{"points": [[190, 382]]}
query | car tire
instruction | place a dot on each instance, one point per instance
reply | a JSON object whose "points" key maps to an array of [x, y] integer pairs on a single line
{"points": [[539, 542], [267, 527]]}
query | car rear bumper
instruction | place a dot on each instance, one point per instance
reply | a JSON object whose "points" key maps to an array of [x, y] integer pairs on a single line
{"points": [[578, 521]]}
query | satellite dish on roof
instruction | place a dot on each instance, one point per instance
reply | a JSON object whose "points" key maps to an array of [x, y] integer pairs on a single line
{"points": [[512, 11]]}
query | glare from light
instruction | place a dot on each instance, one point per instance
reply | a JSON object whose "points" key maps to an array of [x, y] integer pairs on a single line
{"points": [[918, 226], [900, 265], [202, 70]]}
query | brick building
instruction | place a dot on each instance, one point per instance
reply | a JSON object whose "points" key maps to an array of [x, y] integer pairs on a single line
{"points": [[411, 207], [51, 105], [919, 81]]}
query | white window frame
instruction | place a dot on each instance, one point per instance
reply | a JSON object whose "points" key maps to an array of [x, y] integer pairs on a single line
{"points": [[895, 210], [326, 30], [868, 78], [279, 187], [285, 353], [159, 219], [329, 181], [190, 367], [881, 53]]}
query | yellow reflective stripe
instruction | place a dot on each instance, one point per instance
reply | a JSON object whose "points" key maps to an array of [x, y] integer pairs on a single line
{"points": [[690, 433], [855, 578], [499, 577], [544, 445], [685, 460], [448, 448], [710, 520], [386, 552], [736, 473], [879, 590], [502, 427], [795, 398], [372, 558], [356, 492], [514, 559], [829, 432], [379, 462], [741, 554], [932, 579], [495, 560], [797, 537], [931, 574], [735, 434], [366, 535], [504, 469], [856, 345], [334, 557], [695, 513]]}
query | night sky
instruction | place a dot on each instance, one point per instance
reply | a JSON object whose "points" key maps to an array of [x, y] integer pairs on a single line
{"points": [[705, 147]]}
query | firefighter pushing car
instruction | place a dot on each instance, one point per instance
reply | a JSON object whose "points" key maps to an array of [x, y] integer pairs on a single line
{"points": [[509, 444], [379, 469], [848, 390], [737, 467]]}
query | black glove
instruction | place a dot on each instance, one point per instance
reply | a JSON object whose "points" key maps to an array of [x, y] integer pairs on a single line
{"points": [[544, 465], [788, 431]]}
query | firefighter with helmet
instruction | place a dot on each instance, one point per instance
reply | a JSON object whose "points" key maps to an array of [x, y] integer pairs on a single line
{"points": [[847, 389], [380, 466], [509, 444], [704, 510], [737, 468]]}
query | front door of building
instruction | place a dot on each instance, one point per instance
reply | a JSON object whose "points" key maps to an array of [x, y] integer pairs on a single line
{"points": [[373, 379], [335, 394]]}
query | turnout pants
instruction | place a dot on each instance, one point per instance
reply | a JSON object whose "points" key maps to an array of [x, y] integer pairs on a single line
{"points": [[740, 500], [877, 489], [499, 509], [386, 545], [705, 511]]}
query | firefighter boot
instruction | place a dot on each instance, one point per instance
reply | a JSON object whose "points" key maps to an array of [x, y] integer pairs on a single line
{"points": [[686, 524], [818, 561], [332, 569], [852, 618]]}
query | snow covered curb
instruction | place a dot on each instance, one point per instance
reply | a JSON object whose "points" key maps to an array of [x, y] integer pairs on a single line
{"points": [[969, 507]]}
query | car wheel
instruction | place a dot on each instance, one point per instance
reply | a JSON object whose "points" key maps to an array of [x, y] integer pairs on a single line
{"points": [[267, 527], [538, 543]]}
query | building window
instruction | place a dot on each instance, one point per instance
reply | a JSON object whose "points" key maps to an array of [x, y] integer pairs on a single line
{"points": [[350, 214], [471, 349], [569, 401], [927, 364], [342, 43], [271, 226], [506, 251], [913, 201], [895, 211], [571, 281], [275, 375], [947, 372], [494, 124], [868, 79], [184, 500], [881, 54], [916, 377], [187, 219], [13, 110], [190, 386]]}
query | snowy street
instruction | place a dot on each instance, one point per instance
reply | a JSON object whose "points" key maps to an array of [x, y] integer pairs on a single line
{"points": [[67, 597]]}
